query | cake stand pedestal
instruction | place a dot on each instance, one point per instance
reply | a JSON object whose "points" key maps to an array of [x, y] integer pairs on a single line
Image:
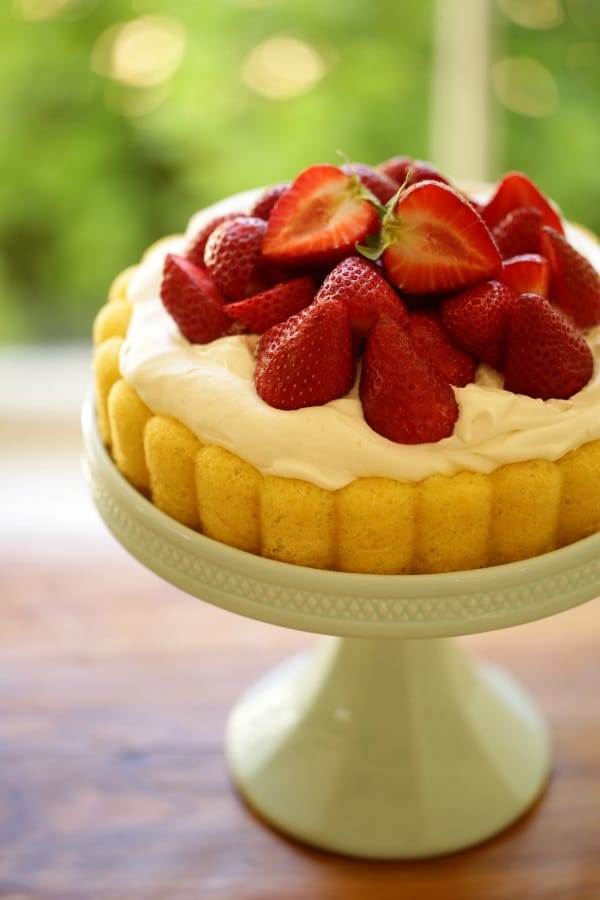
{"points": [[387, 741]]}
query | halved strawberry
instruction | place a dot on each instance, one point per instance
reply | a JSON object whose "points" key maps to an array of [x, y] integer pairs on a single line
{"points": [[528, 273], [261, 311], [433, 241], [398, 168], [574, 282], [267, 200], [546, 355], [233, 256], [192, 299], [195, 251], [321, 218], [365, 292], [516, 190], [308, 359], [404, 397], [381, 185], [477, 319], [431, 341], [518, 232]]}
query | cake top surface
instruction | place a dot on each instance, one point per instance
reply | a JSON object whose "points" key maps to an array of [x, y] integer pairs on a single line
{"points": [[210, 387]]}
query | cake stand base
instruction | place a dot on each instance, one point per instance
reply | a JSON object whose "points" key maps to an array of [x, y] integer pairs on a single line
{"points": [[388, 748]]}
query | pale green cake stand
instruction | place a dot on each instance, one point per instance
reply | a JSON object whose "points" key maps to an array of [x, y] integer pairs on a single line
{"points": [[387, 742]]}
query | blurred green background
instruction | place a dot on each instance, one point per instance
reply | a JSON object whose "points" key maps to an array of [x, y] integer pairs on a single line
{"points": [[122, 117]]}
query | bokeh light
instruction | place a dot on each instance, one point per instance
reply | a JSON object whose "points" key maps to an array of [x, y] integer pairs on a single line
{"points": [[523, 85], [533, 13], [282, 67], [38, 10], [143, 52]]}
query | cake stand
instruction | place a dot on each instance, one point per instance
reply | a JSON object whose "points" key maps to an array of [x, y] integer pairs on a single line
{"points": [[387, 741]]}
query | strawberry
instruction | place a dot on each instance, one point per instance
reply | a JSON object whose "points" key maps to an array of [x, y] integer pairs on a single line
{"points": [[365, 292], [195, 252], [433, 241], [320, 218], [527, 274], [477, 319], [267, 200], [574, 282], [404, 397], [234, 259], [431, 341], [191, 298], [516, 190], [381, 185], [546, 356], [261, 311], [306, 360], [398, 168], [518, 232]]}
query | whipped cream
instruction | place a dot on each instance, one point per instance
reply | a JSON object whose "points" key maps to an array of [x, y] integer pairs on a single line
{"points": [[210, 388]]}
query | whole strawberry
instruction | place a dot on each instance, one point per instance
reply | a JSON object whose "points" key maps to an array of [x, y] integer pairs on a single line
{"points": [[519, 232], [513, 191], [267, 200], [261, 311], [431, 341], [546, 356], [191, 298], [233, 256], [574, 282], [197, 246], [399, 167], [404, 397], [307, 360], [366, 294], [528, 273], [477, 319]]}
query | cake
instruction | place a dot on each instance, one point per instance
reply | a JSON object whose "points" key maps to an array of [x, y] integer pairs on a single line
{"points": [[366, 370]]}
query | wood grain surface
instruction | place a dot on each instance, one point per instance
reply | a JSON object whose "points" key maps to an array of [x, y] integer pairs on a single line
{"points": [[114, 691]]}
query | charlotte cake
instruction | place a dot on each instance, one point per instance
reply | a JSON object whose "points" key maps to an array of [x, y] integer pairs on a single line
{"points": [[363, 371]]}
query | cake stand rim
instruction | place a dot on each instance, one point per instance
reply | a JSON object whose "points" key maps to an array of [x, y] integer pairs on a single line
{"points": [[328, 602]]}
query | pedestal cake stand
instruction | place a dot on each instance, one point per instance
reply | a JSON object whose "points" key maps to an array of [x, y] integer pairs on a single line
{"points": [[387, 741]]}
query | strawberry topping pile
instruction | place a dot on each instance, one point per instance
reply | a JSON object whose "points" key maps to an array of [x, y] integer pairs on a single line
{"points": [[393, 272]]}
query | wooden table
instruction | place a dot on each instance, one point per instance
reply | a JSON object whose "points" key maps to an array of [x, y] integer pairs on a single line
{"points": [[114, 692]]}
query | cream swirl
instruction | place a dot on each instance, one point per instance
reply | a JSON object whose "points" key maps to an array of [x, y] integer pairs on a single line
{"points": [[210, 388]]}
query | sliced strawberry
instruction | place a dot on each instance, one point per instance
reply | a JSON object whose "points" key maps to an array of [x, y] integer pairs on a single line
{"points": [[192, 299], [321, 218], [527, 274], [431, 341], [574, 282], [546, 356], [197, 247], [233, 256], [398, 168], [434, 241], [267, 200], [518, 232], [261, 311], [404, 397], [477, 319], [308, 359], [365, 292], [380, 185], [516, 190]]}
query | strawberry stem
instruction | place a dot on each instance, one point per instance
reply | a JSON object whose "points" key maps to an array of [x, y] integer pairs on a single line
{"points": [[361, 190], [373, 246]]}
